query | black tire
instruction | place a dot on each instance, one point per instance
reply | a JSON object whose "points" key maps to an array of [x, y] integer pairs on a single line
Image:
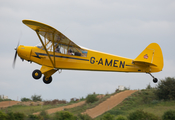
{"points": [[36, 74], [155, 80], [48, 81]]}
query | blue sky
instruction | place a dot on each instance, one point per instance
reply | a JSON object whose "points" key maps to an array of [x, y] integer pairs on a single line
{"points": [[117, 27]]}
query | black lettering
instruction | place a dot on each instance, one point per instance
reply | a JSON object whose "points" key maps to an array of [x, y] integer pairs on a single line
{"points": [[100, 61], [122, 64], [92, 60], [115, 63], [108, 64]]}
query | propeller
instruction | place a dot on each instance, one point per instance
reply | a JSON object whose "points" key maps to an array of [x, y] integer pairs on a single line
{"points": [[14, 61]]}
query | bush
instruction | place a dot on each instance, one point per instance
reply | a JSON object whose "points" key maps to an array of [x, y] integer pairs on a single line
{"points": [[25, 99], [64, 115], [169, 115], [91, 98], [149, 86], [19, 116], [36, 98], [141, 115], [84, 117], [55, 102], [115, 112], [166, 89], [120, 117], [10, 116], [107, 116], [33, 117], [3, 116], [44, 115]]}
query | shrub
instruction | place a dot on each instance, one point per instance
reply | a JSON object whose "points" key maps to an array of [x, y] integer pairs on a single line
{"points": [[141, 115], [120, 117], [91, 98], [33, 117], [148, 96], [10, 116], [36, 98], [25, 99], [149, 86], [64, 115], [166, 89], [107, 116], [54, 102], [84, 117], [3, 116], [19, 116], [169, 115], [44, 115], [116, 112]]}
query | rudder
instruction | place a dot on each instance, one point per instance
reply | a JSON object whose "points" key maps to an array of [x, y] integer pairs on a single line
{"points": [[151, 55]]}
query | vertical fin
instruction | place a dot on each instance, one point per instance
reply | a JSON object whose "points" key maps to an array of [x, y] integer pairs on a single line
{"points": [[151, 54]]}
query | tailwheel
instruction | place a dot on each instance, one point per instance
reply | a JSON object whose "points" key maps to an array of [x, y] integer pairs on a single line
{"points": [[36, 74], [47, 80], [155, 80]]}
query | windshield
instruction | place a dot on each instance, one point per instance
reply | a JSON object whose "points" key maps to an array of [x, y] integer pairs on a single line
{"points": [[64, 49]]}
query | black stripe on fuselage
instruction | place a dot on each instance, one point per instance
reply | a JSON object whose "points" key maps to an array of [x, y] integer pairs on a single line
{"points": [[37, 56]]}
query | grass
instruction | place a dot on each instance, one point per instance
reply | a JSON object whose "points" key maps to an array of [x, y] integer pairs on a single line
{"points": [[28, 110]]}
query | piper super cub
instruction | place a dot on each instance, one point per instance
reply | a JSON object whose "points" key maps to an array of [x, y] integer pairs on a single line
{"points": [[58, 52]]}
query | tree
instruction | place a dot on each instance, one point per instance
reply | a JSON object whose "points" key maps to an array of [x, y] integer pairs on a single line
{"points": [[36, 98], [25, 99], [166, 89], [91, 98]]}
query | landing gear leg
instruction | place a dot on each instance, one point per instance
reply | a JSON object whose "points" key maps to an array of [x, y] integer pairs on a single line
{"points": [[155, 80]]}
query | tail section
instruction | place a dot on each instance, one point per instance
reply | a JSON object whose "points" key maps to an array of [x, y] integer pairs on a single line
{"points": [[151, 56]]}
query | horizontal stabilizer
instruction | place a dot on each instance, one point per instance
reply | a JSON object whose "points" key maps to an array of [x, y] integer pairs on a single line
{"points": [[144, 63]]}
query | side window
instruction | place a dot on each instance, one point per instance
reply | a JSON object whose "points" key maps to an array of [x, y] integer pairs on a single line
{"points": [[70, 50], [64, 49]]}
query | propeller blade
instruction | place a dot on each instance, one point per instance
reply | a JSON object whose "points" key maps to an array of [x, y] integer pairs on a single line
{"points": [[14, 61]]}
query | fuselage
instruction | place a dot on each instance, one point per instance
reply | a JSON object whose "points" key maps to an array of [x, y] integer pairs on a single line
{"points": [[94, 61]]}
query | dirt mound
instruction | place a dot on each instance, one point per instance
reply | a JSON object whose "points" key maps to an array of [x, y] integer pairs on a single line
{"points": [[108, 104], [5, 104], [53, 110]]}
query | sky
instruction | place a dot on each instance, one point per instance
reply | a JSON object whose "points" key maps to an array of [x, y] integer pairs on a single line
{"points": [[119, 27]]}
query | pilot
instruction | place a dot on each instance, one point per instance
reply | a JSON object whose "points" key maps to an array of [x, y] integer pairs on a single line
{"points": [[70, 52], [57, 49]]}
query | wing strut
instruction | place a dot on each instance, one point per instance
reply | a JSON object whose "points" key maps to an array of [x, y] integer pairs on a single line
{"points": [[53, 49], [53, 63]]}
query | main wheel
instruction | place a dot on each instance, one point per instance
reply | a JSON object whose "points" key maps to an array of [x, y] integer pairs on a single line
{"points": [[155, 80], [47, 80], [36, 74]]}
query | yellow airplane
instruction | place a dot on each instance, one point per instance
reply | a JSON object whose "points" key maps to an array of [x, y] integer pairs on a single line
{"points": [[58, 52]]}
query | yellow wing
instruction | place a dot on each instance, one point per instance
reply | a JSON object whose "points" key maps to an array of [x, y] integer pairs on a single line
{"points": [[49, 32]]}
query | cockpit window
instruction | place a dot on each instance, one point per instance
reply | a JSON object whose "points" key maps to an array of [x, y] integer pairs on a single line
{"points": [[64, 49]]}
